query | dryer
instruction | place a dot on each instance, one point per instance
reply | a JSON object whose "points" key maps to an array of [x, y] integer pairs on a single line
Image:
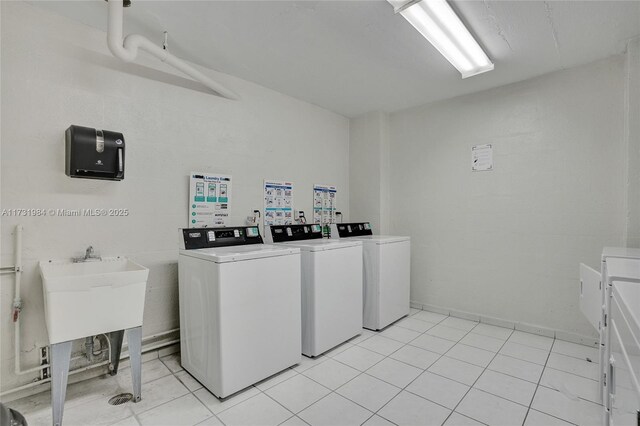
{"points": [[239, 307], [331, 285], [387, 269], [623, 397], [596, 293]]}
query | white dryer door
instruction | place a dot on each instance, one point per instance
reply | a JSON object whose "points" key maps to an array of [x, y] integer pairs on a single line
{"points": [[591, 295]]}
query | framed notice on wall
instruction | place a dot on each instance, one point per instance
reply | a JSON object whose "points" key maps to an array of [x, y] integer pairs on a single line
{"points": [[482, 158]]}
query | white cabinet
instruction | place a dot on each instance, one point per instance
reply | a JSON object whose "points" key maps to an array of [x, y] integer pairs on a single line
{"points": [[620, 266], [624, 355], [591, 295]]}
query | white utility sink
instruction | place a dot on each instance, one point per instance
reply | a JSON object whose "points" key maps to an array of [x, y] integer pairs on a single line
{"points": [[93, 297]]}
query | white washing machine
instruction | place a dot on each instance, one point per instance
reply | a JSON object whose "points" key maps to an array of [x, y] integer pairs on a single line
{"points": [[387, 269], [239, 307], [331, 285]]}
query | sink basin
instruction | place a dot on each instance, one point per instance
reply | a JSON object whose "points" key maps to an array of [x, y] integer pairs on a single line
{"points": [[89, 298]]}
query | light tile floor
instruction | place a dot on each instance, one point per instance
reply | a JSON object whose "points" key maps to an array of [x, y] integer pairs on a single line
{"points": [[427, 369]]}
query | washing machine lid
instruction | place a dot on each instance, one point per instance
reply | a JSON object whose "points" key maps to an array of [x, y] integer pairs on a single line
{"points": [[625, 252], [380, 239], [323, 244], [620, 269], [240, 253]]}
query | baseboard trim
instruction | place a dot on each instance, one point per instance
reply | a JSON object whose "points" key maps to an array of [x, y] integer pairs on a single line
{"points": [[514, 325]]}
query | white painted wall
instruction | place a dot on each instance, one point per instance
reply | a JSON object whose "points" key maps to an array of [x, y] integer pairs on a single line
{"points": [[56, 72], [367, 135], [369, 170], [632, 135], [507, 243]]}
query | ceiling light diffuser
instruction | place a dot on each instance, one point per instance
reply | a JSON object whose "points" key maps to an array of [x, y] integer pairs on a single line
{"points": [[438, 23]]}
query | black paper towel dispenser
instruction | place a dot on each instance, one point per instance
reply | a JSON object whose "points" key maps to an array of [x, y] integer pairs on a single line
{"points": [[94, 154]]}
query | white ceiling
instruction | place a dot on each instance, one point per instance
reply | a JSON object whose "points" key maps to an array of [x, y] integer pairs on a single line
{"points": [[357, 56]]}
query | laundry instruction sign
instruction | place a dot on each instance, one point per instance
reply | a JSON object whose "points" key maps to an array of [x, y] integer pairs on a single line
{"points": [[278, 202], [482, 158], [324, 203], [209, 199]]}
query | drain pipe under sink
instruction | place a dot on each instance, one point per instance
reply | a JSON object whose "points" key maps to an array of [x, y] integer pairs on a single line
{"points": [[127, 50]]}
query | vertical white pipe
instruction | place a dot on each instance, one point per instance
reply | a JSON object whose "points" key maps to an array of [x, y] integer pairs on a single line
{"points": [[17, 305], [18, 264], [17, 301]]}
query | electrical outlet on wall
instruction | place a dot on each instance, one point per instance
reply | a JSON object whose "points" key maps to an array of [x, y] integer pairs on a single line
{"points": [[45, 373]]}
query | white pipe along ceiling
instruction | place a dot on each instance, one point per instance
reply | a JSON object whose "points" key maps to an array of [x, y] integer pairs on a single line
{"points": [[126, 49]]}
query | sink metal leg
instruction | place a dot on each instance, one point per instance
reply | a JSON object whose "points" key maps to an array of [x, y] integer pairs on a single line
{"points": [[60, 358], [134, 337], [115, 337]]}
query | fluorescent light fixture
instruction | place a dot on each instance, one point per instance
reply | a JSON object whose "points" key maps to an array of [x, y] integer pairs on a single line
{"points": [[439, 24]]}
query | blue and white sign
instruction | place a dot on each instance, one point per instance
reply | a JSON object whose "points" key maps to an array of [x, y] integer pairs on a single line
{"points": [[324, 203], [278, 202]]}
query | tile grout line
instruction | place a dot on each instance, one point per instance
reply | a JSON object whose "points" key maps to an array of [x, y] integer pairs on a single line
{"points": [[388, 356], [331, 391], [196, 397], [551, 350], [408, 384], [295, 414], [244, 390], [475, 347], [364, 372], [360, 373], [475, 381], [520, 359], [571, 374], [190, 392], [278, 402], [171, 373], [555, 390], [574, 374], [379, 333], [495, 371], [404, 388], [260, 391], [538, 384]]}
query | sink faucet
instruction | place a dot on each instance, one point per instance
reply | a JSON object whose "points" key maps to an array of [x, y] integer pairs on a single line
{"points": [[88, 255]]}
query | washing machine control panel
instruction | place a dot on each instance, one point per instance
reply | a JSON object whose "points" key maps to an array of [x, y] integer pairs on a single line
{"points": [[282, 233], [198, 238], [354, 229]]}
